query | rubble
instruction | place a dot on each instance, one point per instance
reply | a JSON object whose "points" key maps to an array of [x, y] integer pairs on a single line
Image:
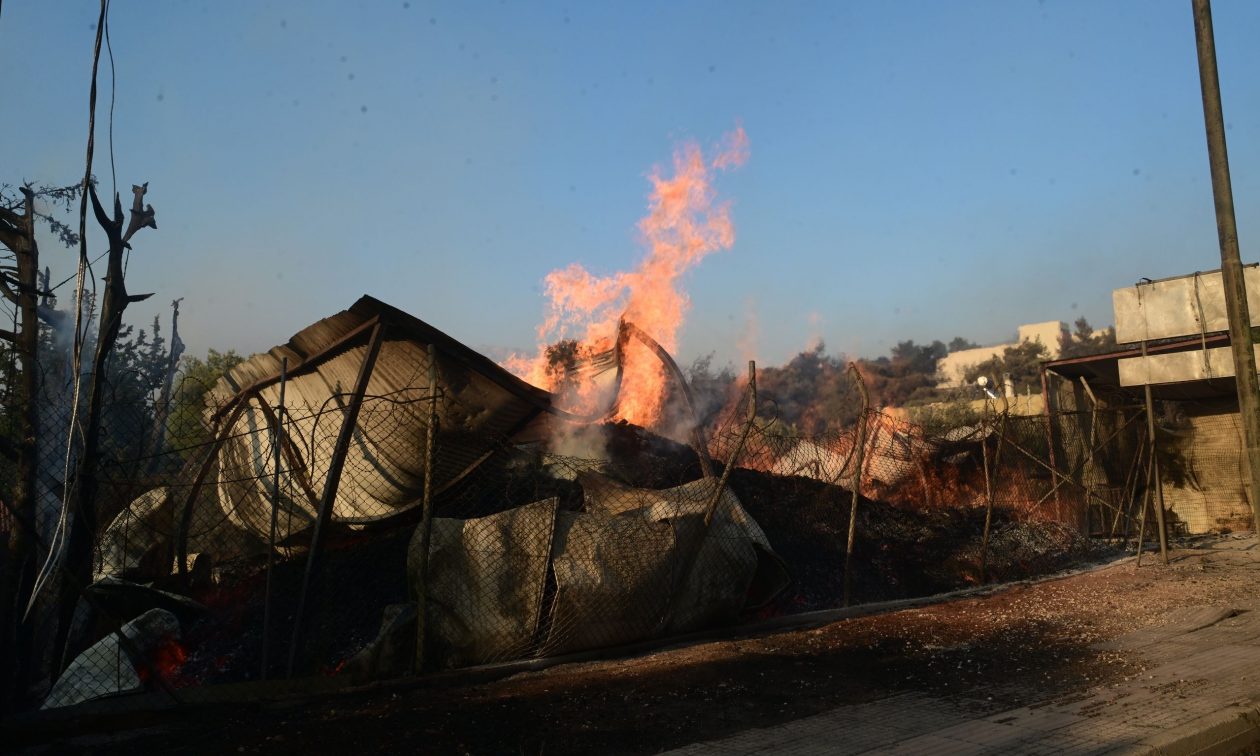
{"points": [[106, 669], [533, 553], [634, 564], [137, 543]]}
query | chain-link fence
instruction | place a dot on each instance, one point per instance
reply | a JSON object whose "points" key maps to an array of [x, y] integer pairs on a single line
{"points": [[388, 507]]}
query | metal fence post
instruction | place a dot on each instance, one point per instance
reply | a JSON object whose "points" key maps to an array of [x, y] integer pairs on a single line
{"points": [[333, 481], [859, 447], [988, 487], [426, 509], [275, 511], [1158, 501]]}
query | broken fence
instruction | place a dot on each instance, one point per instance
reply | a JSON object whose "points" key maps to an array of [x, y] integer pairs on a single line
{"points": [[288, 545]]}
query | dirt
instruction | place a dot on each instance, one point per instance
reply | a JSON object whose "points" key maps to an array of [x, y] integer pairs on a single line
{"points": [[1015, 647]]}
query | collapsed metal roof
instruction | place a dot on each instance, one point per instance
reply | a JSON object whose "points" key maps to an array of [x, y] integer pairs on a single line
{"points": [[482, 406]]}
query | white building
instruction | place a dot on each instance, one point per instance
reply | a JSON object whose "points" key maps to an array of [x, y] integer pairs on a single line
{"points": [[951, 368]]}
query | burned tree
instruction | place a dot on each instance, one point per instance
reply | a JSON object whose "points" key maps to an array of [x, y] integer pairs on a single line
{"points": [[23, 286], [157, 438], [78, 559], [17, 232]]}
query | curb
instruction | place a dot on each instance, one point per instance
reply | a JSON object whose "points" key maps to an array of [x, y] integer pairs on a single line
{"points": [[1223, 732]]}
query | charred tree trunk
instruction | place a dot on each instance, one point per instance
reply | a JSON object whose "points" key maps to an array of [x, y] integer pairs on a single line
{"points": [[157, 439], [17, 232], [83, 526]]}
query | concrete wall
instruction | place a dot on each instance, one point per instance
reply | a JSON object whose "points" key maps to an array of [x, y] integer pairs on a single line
{"points": [[951, 368]]}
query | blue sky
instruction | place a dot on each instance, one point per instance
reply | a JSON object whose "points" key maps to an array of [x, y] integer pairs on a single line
{"points": [[918, 170]]}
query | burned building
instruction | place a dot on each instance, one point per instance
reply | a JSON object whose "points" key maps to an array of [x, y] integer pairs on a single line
{"points": [[1176, 345]]}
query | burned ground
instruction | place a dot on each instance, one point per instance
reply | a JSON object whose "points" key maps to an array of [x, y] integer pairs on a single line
{"points": [[1017, 646], [900, 553]]}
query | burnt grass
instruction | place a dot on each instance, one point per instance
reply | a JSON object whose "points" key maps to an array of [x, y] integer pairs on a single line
{"points": [[899, 552]]}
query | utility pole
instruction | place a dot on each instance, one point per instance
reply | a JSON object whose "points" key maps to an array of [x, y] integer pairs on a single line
{"points": [[1231, 264]]}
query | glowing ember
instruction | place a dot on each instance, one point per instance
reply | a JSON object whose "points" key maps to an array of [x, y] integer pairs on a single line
{"points": [[683, 225], [168, 658]]}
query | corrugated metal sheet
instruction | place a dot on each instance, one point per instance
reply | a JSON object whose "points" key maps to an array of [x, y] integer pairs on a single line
{"points": [[480, 407]]}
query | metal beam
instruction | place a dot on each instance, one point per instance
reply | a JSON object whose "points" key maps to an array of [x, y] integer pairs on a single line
{"points": [[333, 480]]}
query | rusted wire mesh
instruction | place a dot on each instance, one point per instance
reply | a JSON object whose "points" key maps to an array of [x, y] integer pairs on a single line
{"points": [[206, 569]]}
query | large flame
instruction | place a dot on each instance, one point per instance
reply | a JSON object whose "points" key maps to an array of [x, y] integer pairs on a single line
{"points": [[684, 224]]}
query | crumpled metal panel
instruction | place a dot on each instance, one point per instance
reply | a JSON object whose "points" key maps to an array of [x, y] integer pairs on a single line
{"points": [[486, 580], [614, 578], [105, 668], [616, 572], [480, 406], [717, 587]]}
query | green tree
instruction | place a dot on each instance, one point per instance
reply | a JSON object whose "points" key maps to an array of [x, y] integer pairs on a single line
{"points": [[186, 428], [811, 393], [1021, 362], [1084, 340], [907, 374], [958, 344]]}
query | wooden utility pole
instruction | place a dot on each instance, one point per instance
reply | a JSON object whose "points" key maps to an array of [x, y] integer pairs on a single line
{"points": [[1231, 263]]}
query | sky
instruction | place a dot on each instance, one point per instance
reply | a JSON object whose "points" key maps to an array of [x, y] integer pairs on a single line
{"points": [[917, 170]]}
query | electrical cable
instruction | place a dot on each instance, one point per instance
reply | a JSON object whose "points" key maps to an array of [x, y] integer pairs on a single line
{"points": [[57, 542]]}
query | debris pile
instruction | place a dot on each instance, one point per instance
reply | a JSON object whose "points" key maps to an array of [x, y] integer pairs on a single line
{"points": [[292, 546]]}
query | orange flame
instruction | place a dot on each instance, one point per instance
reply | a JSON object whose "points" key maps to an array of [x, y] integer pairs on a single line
{"points": [[683, 225]]}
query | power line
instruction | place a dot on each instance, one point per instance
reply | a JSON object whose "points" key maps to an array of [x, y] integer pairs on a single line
{"points": [[113, 89]]}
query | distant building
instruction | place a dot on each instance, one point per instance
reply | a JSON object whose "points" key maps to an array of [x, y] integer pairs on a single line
{"points": [[951, 368]]}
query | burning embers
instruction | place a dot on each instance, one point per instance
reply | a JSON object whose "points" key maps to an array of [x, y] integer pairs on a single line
{"points": [[684, 224]]}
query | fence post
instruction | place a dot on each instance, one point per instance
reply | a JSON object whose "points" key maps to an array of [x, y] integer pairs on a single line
{"points": [[988, 486], [712, 506], [1146, 497], [1158, 502], [333, 481], [859, 447], [1130, 487], [710, 509], [698, 441], [1050, 410], [426, 512], [275, 511]]}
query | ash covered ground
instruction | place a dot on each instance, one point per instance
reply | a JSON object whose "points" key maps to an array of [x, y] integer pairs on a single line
{"points": [[901, 551]]}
